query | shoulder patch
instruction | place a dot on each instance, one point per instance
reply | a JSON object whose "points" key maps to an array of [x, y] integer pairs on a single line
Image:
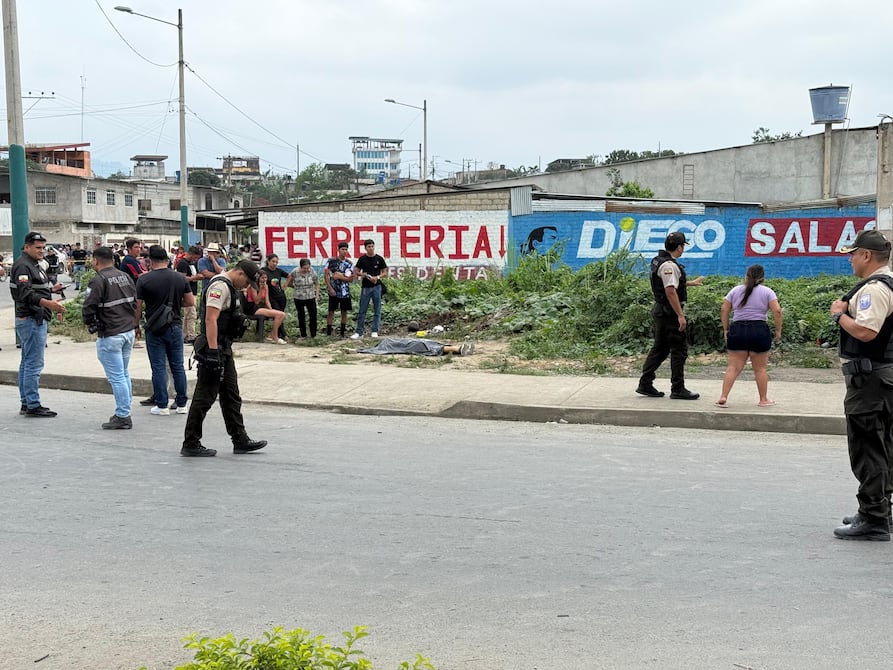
{"points": [[23, 278], [865, 301], [215, 294]]}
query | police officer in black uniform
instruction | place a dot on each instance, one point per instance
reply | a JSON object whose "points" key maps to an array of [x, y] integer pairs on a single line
{"points": [[865, 317], [668, 284], [108, 309], [33, 295], [223, 321]]}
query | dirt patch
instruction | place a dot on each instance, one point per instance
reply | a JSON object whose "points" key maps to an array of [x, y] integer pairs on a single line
{"points": [[495, 356]]}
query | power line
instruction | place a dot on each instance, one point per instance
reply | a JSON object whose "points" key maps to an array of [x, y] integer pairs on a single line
{"points": [[129, 45]]}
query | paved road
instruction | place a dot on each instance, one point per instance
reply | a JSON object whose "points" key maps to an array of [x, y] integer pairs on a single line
{"points": [[486, 545]]}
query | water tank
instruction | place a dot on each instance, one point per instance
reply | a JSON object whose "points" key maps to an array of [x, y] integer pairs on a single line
{"points": [[829, 103]]}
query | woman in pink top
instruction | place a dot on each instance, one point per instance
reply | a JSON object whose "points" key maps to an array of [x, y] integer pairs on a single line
{"points": [[748, 335]]}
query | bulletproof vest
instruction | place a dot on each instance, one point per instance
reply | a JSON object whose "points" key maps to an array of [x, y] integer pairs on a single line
{"points": [[657, 286], [231, 322], [880, 349]]}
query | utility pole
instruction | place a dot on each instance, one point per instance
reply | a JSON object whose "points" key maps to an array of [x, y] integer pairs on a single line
{"points": [[18, 177]]}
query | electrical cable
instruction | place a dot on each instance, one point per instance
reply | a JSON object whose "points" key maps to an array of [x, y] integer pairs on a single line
{"points": [[129, 45]]}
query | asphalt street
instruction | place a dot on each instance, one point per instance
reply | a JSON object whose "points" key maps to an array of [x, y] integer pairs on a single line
{"points": [[484, 545]]}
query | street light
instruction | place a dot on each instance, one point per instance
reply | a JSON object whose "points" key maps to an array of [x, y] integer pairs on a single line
{"points": [[181, 64], [424, 109]]}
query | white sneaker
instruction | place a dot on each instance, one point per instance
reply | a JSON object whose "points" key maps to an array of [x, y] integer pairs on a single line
{"points": [[183, 410], [160, 411], [355, 336], [374, 334], [281, 341]]}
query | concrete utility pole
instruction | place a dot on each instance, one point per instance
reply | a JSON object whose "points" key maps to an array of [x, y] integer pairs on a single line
{"points": [[18, 177], [884, 213]]}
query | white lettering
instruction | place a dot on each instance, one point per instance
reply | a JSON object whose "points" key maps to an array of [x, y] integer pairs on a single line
{"points": [[700, 235], [650, 234], [763, 238], [793, 238], [586, 249], [814, 246]]}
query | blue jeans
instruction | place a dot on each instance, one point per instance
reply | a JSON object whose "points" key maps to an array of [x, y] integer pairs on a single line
{"points": [[33, 336], [77, 272], [167, 349], [114, 354], [372, 293]]}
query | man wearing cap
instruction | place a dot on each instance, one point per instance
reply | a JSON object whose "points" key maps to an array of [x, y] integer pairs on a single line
{"points": [[668, 284], [162, 292], [32, 293], [222, 322], [109, 305], [211, 265], [865, 318], [338, 277]]}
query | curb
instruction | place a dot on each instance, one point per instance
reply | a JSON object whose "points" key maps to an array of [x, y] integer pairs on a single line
{"points": [[495, 411]]}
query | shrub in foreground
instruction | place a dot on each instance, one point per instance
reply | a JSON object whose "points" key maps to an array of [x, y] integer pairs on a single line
{"points": [[281, 649]]}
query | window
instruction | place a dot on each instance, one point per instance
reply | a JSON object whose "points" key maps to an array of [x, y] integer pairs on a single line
{"points": [[109, 197], [91, 196], [45, 196], [145, 205], [128, 199], [175, 205]]}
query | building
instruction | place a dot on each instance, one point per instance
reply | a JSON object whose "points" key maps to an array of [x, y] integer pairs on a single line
{"points": [[784, 171], [240, 169], [377, 158]]}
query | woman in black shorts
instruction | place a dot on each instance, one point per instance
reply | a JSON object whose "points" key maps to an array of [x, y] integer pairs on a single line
{"points": [[748, 336]]}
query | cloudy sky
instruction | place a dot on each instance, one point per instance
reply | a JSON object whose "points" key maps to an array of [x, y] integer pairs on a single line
{"points": [[512, 82]]}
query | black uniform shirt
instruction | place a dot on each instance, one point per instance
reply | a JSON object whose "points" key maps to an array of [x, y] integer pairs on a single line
{"points": [[29, 285], [111, 300]]}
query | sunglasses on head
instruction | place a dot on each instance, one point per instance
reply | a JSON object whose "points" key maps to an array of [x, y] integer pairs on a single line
{"points": [[34, 237]]}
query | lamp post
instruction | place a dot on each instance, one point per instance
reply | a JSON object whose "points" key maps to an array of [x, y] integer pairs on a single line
{"points": [[424, 109], [184, 177]]}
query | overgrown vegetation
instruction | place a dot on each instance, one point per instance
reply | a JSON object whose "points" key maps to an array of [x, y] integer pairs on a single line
{"points": [[549, 311], [282, 649]]}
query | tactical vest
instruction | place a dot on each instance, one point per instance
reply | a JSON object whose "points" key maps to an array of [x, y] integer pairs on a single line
{"points": [[657, 286], [880, 349], [231, 322]]}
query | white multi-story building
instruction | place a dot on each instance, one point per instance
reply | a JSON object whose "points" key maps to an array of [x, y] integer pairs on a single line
{"points": [[376, 158]]}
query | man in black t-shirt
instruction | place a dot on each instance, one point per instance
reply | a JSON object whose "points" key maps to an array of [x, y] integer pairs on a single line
{"points": [[371, 267], [160, 288], [79, 264], [187, 267]]}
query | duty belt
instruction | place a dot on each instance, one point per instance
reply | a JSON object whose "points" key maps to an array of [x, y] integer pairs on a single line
{"points": [[863, 366]]}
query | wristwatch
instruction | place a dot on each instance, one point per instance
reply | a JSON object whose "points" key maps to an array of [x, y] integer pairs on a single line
{"points": [[836, 316]]}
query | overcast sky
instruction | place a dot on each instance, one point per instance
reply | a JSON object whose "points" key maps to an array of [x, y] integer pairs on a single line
{"points": [[512, 82]]}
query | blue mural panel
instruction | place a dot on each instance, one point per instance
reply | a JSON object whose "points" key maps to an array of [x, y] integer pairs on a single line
{"points": [[726, 240]]}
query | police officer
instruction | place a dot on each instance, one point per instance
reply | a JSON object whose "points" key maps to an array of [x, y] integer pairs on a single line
{"points": [[865, 317], [668, 284], [222, 322], [32, 293], [109, 306]]}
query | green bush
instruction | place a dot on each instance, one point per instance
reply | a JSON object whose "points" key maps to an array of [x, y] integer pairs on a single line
{"points": [[281, 649]]}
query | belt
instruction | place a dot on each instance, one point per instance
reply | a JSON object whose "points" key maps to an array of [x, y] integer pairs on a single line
{"points": [[863, 366]]}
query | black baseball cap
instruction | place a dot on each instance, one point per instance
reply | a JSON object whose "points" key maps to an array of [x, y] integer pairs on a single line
{"points": [[677, 238], [872, 240], [34, 236], [251, 271]]}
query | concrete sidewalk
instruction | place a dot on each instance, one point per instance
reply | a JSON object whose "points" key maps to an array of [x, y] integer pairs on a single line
{"points": [[382, 389]]}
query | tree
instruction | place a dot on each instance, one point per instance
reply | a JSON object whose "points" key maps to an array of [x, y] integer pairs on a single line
{"points": [[621, 156], [203, 178], [762, 135], [523, 170], [118, 176], [626, 189]]}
